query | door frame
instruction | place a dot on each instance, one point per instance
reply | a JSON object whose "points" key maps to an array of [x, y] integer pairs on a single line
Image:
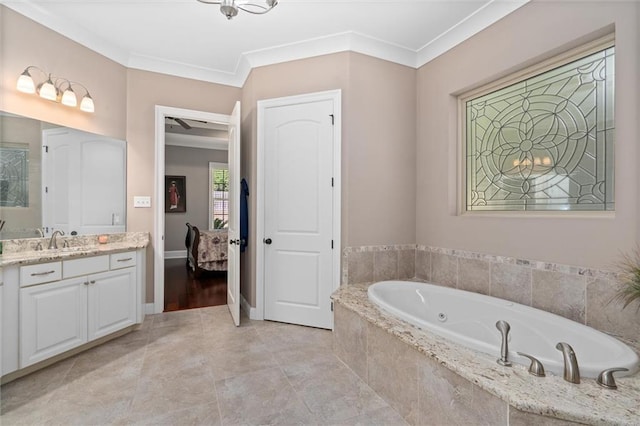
{"points": [[336, 97], [161, 112]]}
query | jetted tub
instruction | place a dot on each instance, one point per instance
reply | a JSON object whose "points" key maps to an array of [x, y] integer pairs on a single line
{"points": [[469, 319]]}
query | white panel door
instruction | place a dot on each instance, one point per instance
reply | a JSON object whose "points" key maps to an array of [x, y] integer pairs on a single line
{"points": [[298, 194], [53, 319], [84, 182], [112, 302], [233, 254], [61, 180]]}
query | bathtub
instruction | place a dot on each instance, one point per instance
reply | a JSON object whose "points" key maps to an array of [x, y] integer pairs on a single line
{"points": [[469, 319]]}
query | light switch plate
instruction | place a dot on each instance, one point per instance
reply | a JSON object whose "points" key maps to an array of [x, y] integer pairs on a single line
{"points": [[141, 201]]}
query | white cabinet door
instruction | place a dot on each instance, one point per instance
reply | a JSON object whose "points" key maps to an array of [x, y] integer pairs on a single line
{"points": [[112, 302], [53, 319]]}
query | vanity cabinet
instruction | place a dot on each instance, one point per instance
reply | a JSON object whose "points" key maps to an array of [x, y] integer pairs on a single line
{"points": [[65, 304]]}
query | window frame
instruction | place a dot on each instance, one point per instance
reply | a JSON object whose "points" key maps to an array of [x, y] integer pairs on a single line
{"points": [[555, 61], [213, 166]]}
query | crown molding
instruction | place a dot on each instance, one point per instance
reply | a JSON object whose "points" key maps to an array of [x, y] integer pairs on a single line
{"points": [[179, 69], [335, 43], [74, 32], [468, 27]]}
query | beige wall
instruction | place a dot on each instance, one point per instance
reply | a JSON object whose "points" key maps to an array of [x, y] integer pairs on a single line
{"points": [[145, 90], [193, 163], [508, 45], [378, 144]]}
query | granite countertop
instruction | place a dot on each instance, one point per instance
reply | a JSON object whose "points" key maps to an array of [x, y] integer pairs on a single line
{"points": [[22, 251], [551, 396]]}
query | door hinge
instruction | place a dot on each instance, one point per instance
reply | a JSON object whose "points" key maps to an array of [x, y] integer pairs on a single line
{"points": [[46, 189], [332, 182], [332, 119], [46, 148], [331, 306], [331, 244]]}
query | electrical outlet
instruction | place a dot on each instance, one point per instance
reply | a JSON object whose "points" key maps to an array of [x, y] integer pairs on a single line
{"points": [[141, 201]]}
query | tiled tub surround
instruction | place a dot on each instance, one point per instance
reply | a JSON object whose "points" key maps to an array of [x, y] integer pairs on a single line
{"points": [[581, 294], [430, 380], [22, 251]]}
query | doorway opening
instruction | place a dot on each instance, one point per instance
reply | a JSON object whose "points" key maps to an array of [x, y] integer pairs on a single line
{"points": [[186, 142]]}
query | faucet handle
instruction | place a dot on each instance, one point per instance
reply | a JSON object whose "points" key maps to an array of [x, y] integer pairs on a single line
{"points": [[39, 247], [606, 380], [535, 368]]}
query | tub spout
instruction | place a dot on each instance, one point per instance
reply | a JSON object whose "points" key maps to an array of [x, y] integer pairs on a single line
{"points": [[571, 370], [504, 328]]}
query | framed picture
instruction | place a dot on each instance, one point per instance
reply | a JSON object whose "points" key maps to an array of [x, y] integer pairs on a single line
{"points": [[175, 194]]}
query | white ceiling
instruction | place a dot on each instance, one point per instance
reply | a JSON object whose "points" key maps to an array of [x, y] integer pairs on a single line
{"points": [[191, 39]]}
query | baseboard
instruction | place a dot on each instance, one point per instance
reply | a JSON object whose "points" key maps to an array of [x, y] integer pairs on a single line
{"points": [[149, 308], [175, 254], [251, 311]]}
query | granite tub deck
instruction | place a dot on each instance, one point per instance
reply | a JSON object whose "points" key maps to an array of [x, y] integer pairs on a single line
{"points": [[430, 380], [22, 251]]}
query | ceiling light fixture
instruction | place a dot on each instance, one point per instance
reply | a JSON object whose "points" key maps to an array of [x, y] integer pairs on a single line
{"points": [[55, 89], [229, 8]]}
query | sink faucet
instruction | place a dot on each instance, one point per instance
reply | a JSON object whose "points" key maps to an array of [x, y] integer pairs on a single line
{"points": [[52, 242], [571, 370], [504, 328]]}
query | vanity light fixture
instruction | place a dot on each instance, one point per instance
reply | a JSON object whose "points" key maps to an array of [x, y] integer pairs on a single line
{"points": [[57, 89], [229, 8]]}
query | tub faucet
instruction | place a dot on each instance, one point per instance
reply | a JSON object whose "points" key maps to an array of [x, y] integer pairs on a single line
{"points": [[53, 244], [504, 328], [571, 370]]}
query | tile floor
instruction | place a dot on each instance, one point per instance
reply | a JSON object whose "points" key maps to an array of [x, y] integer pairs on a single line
{"points": [[193, 367]]}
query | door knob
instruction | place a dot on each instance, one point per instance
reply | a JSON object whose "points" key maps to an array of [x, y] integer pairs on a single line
{"points": [[267, 241]]}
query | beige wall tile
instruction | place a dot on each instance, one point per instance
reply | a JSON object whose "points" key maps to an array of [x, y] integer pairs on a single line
{"points": [[385, 265], [444, 269], [474, 275], [360, 266], [406, 264], [350, 339], [447, 398], [559, 293], [511, 282], [393, 368], [607, 314], [423, 265]]}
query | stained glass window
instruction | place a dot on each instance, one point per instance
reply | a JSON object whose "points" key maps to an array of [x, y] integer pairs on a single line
{"points": [[546, 142], [14, 177]]}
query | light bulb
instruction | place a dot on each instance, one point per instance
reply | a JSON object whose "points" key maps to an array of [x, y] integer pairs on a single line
{"points": [[25, 83], [69, 98], [86, 104], [48, 91]]}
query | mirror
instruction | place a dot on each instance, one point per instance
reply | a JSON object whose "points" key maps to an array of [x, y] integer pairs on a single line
{"points": [[55, 177]]}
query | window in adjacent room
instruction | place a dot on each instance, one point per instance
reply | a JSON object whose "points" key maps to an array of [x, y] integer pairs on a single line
{"points": [[219, 196], [543, 141]]}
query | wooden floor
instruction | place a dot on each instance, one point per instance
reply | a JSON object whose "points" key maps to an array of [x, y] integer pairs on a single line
{"points": [[183, 291]]}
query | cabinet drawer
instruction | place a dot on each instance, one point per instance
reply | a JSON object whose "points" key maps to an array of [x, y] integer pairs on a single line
{"points": [[85, 266], [41, 273], [123, 260]]}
